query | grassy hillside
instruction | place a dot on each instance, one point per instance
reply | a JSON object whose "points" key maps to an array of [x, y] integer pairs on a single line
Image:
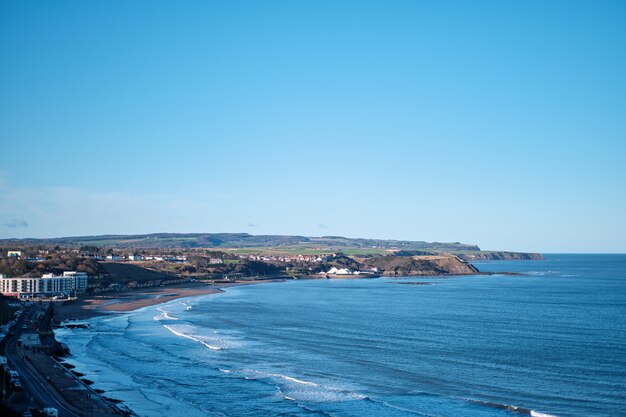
{"points": [[247, 241]]}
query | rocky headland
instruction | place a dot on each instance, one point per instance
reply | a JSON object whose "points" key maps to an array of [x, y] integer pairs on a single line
{"points": [[500, 256]]}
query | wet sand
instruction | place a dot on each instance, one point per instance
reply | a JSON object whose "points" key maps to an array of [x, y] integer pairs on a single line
{"points": [[121, 302]]}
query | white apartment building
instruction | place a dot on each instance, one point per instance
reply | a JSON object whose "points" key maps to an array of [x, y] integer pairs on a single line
{"points": [[48, 284]]}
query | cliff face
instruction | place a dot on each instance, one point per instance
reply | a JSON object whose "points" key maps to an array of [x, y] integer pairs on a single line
{"points": [[390, 265], [500, 256]]}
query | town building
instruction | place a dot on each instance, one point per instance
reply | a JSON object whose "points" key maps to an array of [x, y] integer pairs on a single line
{"points": [[15, 253], [46, 286], [30, 339], [337, 271]]}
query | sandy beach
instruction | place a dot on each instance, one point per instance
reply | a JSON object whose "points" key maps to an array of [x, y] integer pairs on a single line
{"points": [[122, 302]]}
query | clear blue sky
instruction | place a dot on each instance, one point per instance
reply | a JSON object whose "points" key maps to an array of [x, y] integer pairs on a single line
{"points": [[496, 123]]}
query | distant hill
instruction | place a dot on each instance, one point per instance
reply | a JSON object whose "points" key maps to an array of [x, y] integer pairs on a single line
{"points": [[244, 240]]}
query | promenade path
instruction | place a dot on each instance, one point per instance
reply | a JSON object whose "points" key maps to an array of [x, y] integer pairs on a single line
{"points": [[47, 383]]}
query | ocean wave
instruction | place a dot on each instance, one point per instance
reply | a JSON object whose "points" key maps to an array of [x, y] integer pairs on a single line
{"points": [[512, 408], [180, 331], [295, 389], [312, 410], [165, 315], [399, 408], [534, 413], [542, 273]]}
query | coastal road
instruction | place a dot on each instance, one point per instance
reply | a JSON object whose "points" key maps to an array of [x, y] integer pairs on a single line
{"points": [[34, 384]]}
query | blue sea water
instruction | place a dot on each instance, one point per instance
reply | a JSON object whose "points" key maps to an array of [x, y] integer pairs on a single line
{"points": [[549, 342]]}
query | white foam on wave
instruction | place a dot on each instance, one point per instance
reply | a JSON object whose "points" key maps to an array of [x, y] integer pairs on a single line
{"points": [[165, 315], [295, 380], [542, 273], [534, 413], [179, 331], [295, 389], [514, 408]]}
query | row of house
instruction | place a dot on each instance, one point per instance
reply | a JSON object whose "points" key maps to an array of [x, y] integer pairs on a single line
{"points": [[277, 258], [136, 257], [48, 285], [111, 257]]}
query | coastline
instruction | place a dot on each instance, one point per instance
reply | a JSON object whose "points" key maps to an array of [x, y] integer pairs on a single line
{"points": [[163, 295], [120, 303], [127, 301], [132, 300]]}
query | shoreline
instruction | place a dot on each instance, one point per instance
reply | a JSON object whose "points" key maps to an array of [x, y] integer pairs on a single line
{"points": [[126, 302], [131, 300]]}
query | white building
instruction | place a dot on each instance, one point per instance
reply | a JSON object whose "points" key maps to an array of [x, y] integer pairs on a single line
{"points": [[114, 258], [48, 284], [337, 271], [135, 257]]}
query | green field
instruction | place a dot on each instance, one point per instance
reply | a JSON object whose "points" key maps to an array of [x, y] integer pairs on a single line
{"points": [[274, 243], [302, 250]]}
